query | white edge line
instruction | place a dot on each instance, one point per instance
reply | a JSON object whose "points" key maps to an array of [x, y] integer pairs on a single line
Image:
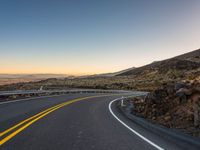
{"points": [[135, 132]]}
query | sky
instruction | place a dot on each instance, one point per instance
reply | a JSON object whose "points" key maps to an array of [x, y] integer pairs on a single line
{"points": [[81, 37]]}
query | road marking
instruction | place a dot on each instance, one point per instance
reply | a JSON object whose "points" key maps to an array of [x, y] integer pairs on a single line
{"points": [[34, 120], [26, 120], [135, 132], [38, 116]]}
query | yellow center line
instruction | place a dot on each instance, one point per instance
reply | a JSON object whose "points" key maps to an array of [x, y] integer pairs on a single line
{"points": [[39, 116], [17, 125]]}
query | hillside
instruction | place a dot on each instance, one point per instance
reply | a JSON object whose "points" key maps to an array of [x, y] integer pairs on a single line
{"points": [[185, 62], [192, 56], [107, 74]]}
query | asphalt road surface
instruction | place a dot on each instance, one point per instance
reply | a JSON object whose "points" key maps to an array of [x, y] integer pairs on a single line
{"points": [[75, 122]]}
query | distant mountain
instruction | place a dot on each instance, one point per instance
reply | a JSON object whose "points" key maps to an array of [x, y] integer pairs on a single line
{"points": [[104, 74], [111, 74], [10, 76], [185, 62]]}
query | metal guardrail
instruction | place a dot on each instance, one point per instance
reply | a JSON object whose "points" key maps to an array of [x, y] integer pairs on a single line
{"points": [[21, 92]]}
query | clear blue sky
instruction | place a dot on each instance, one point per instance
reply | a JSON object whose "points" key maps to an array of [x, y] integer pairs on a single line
{"points": [[94, 36]]}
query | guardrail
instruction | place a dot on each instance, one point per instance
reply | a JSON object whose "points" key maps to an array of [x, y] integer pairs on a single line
{"points": [[21, 92]]}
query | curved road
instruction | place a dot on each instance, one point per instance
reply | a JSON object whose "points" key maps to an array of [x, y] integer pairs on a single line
{"points": [[76, 124]]}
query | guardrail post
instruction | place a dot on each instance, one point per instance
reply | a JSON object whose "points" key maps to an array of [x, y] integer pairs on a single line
{"points": [[122, 102]]}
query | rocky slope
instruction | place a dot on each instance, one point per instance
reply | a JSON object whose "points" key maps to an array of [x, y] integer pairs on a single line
{"points": [[180, 68], [185, 62], [175, 105]]}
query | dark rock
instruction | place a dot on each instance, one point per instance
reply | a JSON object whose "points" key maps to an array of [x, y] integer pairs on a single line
{"points": [[175, 105]]}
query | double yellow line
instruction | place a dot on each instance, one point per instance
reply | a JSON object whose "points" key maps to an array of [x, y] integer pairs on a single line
{"points": [[26, 123]]}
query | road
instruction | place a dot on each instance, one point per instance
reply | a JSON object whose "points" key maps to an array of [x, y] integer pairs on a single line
{"points": [[80, 122]]}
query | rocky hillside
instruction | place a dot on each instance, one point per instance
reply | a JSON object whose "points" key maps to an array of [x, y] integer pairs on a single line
{"points": [[192, 56], [175, 105], [185, 62], [185, 67]]}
